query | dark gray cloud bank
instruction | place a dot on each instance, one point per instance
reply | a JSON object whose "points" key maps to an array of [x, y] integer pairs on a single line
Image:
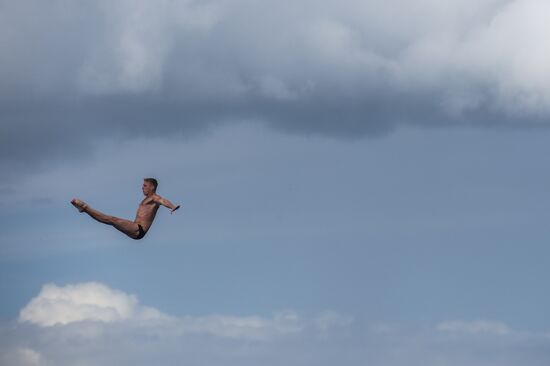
{"points": [[73, 72]]}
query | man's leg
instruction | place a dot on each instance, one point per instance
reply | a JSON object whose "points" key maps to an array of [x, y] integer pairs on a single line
{"points": [[99, 216], [128, 227]]}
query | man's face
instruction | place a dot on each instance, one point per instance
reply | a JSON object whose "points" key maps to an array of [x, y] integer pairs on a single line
{"points": [[147, 188]]}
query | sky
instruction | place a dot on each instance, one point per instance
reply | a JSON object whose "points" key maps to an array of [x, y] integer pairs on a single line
{"points": [[362, 182]]}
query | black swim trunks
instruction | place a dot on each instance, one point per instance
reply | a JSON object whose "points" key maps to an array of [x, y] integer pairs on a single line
{"points": [[141, 233]]}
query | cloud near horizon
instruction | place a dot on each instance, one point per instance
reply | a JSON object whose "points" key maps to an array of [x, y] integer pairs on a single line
{"points": [[94, 302], [475, 327], [84, 334], [84, 302]]}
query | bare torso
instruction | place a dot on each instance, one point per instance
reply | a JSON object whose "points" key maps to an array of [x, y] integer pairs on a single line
{"points": [[146, 211]]}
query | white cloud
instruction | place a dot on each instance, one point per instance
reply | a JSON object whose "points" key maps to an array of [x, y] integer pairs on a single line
{"points": [[248, 327], [286, 338], [474, 327], [84, 302], [330, 320], [96, 302]]}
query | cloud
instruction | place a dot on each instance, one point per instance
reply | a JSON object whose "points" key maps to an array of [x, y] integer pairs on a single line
{"points": [[251, 327], [84, 302], [73, 73], [235, 54], [95, 302], [475, 327], [286, 338], [138, 38], [22, 357]]}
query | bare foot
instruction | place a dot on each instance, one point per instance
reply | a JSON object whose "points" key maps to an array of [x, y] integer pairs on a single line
{"points": [[80, 205]]}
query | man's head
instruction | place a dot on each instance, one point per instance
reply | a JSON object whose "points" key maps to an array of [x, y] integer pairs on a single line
{"points": [[149, 186]]}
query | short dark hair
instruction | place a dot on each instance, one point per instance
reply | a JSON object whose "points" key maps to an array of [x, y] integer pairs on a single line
{"points": [[153, 181]]}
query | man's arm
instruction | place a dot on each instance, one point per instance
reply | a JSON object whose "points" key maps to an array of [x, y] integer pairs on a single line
{"points": [[166, 203]]}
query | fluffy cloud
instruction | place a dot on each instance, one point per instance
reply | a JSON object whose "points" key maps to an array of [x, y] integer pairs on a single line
{"points": [[84, 302], [286, 338], [95, 302]]}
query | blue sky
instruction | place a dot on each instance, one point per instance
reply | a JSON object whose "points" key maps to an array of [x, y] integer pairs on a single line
{"points": [[379, 197]]}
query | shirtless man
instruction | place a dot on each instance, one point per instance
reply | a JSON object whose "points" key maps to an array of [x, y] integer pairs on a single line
{"points": [[145, 214]]}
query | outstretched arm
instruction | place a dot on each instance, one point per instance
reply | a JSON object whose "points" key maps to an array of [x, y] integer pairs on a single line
{"points": [[166, 203]]}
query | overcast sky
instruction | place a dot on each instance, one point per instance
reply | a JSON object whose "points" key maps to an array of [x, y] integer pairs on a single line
{"points": [[363, 182]]}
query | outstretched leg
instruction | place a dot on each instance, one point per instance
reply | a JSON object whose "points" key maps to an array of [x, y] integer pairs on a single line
{"points": [[128, 227]]}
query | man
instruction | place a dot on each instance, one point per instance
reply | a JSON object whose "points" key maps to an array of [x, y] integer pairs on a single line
{"points": [[145, 213]]}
